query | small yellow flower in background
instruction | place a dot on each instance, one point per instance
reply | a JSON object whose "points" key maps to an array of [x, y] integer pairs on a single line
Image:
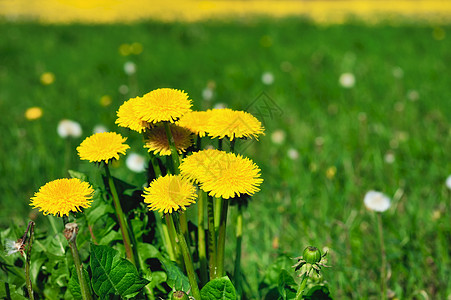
{"points": [[233, 124], [136, 48], [163, 105], [47, 78], [169, 193], [61, 196], [222, 174], [105, 100], [102, 147], [331, 172], [124, 49], [157, 141], [33, 113], [195, 121], [127, 116]]}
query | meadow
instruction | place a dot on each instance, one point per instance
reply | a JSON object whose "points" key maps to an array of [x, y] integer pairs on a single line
{"points": [[325, 145]]}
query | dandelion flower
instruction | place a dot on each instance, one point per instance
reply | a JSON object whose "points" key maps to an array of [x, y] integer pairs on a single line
{"points": [[124, 49], [47, 78], [136, 48], [135, 162], [448, 182], [123, 89], [376, 201], [69, 128], [233, 124], [267, 78], [163, 105], [129, 68], [195, 121], [156, 139], [105, 100], [169, 193], [347, 80], [222, 174], [33, 113], [127, 116], [331, 172], [102, 147], [61, 196], [12, 246]]}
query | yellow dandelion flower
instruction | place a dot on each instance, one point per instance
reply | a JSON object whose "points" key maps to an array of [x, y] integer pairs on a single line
{"points": [[169, 193], [157, 141], [33, 113], [136, 48], [124, 49], [330, 172], [105, 100], [47, 78], [61, 196], [233, 124], [222, 174], [196, 121], [127, 116], [163, 105], [102, 146]]}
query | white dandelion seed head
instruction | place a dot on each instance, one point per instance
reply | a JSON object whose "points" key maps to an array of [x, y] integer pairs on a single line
{"points": [[12, 246], [413, 95], [448, 182], [376, 201], [69, 128], [207, 94], [398, 72], [220, 106], [99, 128], [278, 137], [135, 162], [267, 78], [130, 68], [123, 89], [389, 157], [293, 154], [347, 80]]}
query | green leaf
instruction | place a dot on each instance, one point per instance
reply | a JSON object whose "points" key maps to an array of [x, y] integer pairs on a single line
{"points": [[74, 284], [319, 291], [218, 289], [287, 285], [9, 291], [112, 274], [176, 279]]}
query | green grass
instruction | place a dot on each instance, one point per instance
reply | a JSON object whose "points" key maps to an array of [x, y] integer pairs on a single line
{"points": [[298, 204]]}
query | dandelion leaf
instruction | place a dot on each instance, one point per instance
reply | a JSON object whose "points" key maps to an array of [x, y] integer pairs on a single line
{"points": [[176, 279], [218, 289]]}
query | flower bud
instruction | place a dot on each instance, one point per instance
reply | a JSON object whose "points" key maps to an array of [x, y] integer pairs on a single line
{"points": [[179, 295], [311, 255]]}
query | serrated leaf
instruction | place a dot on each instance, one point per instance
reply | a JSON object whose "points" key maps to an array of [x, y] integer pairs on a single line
{"points": [[74, 284], [176, 279], [112, 274], [218, 289], [287, 285], [77, 174], [9, 291]]}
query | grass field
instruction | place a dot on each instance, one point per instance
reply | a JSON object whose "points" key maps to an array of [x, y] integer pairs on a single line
{"points": [[346, 138]]}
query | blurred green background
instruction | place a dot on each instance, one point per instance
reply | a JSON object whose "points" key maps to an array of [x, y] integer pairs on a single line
{"points": [[325, 146]]}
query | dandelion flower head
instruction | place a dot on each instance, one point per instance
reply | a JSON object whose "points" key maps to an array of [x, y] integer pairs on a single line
{"points": [[61, 196], [163, 105], [127, 116], [233, 124], [69, 128], [33, 113], [195, 121], [169, 193], [222, 174], [376, 201], [102, 146], [157, 141]]}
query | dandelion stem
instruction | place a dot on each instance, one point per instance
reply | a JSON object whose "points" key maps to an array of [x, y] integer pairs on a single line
{"points": [[121, 217], [301, 289], [84, 288], [201, 246], [187, 258], [174, 153], [221, 237], [30, 229], [239, 237], [383, 258], [172, 236], [211, 239]]}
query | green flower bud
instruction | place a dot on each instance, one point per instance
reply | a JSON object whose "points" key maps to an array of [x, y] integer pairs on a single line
{"points": [[311, 255], [179, 295]]}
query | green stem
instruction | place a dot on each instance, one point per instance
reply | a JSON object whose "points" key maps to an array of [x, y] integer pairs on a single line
{"points": [[301, 289], [201, 245], [383, 258], [121, 217], [164, 233], [187, 258], [211, 239], [239, 237], [172, 237], [222, 237], [28, 261], [174, 153], [218, 210], [85, 290]]}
